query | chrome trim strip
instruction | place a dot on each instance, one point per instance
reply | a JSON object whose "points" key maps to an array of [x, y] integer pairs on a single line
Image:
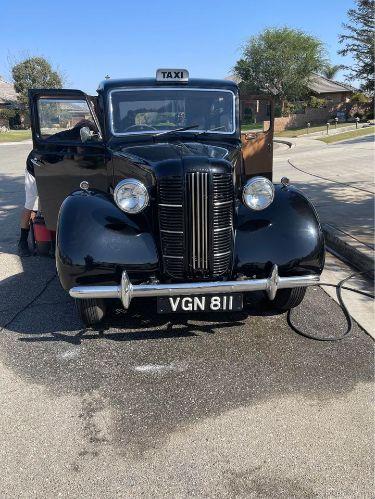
{"points": [[199, 224], [126, 291], [221, 203], [171, 256], [172, 231], [222, 254], [223, 228], [206, 219], [193, 216], [171, 205]]}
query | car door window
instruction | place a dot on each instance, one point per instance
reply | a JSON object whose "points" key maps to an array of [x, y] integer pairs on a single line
{"points": [[62, 119]]}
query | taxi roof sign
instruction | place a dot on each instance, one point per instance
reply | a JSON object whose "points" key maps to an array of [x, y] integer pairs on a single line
{"points": [[173, 75]]}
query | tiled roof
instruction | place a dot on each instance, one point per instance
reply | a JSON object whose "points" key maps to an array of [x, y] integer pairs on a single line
{"points": [[7, 92], [318, 84], [321, 85]]}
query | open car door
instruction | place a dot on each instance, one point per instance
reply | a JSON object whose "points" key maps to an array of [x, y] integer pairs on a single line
{"points": [[257, 117], [61, 160]]}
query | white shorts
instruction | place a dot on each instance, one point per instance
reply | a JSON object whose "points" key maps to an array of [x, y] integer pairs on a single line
{"points": [[31, 191]]}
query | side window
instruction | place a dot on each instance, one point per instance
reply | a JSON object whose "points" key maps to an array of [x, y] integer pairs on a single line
{"points": [[255, 115], [62, 119]]}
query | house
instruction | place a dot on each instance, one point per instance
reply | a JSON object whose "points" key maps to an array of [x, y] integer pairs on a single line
{"points": [[336, 96], [334, 92], [8, 96], [8, 100]]}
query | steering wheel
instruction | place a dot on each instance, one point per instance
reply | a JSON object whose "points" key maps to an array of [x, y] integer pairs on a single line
{"points": [[140, 127]]}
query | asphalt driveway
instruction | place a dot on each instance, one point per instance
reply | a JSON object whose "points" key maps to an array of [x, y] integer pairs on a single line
{"points": [[235, 405]]}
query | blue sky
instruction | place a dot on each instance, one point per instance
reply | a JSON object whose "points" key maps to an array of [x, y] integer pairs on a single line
{"points": [[90, 38]]}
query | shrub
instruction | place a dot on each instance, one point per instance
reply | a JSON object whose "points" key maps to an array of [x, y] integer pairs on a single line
{"points": [[359, 98], [7, 114], [316, 103]]}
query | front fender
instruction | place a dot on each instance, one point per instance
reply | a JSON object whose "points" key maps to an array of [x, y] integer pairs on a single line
{"points": [[96, 241], [287, 233]]}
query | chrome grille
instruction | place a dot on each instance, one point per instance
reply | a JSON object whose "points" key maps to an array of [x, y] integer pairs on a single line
{"points": [[196, 224], [198, 207]]}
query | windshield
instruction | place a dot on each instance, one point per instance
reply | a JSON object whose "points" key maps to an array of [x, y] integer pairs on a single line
{"points": [[135, 111]]}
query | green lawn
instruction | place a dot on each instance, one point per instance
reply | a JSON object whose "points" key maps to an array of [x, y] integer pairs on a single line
{"points": [[329, 139], [15, 135], [254, 126], [296, 132]]}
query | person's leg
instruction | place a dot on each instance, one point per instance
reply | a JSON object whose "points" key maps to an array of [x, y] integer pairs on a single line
{"points": [[23, 247], [31, 205], [25, 219]]}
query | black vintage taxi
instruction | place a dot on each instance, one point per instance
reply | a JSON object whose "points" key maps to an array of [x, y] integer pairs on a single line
{"points": [[155, 193]]}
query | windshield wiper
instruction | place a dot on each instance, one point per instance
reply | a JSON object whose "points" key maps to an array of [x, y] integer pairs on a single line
{"points": [[205, 132], [175, 130]]}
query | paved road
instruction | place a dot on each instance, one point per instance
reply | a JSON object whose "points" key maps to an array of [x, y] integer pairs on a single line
{"points": [[229, 406]]}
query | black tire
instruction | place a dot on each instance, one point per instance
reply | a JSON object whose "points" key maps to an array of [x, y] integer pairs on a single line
{"points": [[91, 310], [288, 298]]}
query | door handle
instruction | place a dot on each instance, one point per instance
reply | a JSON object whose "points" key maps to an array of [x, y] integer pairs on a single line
{"points": [[36, 162]]}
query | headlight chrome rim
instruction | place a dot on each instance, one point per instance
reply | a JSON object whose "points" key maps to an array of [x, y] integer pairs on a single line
{"points": [[137, 184], [265, 182]]}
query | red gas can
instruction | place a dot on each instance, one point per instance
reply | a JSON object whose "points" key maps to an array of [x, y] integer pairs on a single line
{"points": [[44, 239]]}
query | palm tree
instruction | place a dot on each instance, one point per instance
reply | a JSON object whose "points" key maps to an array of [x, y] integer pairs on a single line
{"points": [[331, 70]]}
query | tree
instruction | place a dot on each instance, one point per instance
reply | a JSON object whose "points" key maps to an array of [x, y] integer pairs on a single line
{"points": [[280, 61], [34, 72], [331, 70], [358, 41]]}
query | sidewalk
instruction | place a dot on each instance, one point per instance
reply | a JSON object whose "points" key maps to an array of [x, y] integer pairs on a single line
{"points": [[346, 211], [17, 142], [334, 130]]}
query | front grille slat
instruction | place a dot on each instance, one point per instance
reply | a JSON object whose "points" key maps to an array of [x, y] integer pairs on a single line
{"points": [[207, 222]]}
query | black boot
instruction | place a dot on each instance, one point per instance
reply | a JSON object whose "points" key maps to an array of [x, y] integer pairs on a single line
{"points": [[23, 246]]}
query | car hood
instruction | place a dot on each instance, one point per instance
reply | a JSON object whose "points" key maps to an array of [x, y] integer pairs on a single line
{"points": [[147, 161]]}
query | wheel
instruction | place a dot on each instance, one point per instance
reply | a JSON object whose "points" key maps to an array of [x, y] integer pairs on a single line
{"points": [[91, 310], [288, 298]]}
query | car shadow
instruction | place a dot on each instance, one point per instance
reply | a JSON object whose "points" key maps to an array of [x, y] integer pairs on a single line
{"points": [[42, 292]]}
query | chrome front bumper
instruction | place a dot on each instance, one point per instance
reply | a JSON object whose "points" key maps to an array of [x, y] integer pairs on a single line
{"points": [[126, 290]]}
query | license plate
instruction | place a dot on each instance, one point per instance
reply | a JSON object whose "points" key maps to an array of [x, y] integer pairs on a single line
{"points": [[199, 303]]}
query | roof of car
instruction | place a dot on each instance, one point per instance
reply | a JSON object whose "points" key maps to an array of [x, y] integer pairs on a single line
{"points": [[151, 82]]}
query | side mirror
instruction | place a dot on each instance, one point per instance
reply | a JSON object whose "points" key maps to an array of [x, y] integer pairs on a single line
{"points": [[85, 134]]}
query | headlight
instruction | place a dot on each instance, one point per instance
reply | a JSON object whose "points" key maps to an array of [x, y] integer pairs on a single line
{"points": [[258, 193], [131, 196]]}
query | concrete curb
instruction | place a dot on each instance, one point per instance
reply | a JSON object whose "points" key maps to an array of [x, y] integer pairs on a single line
{"points": [[342, 245]]}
